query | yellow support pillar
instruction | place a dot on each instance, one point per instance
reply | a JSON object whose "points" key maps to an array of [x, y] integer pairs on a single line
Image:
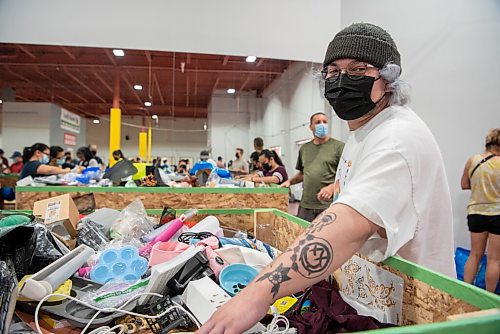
{"points": [[150, 134], [115, 118], [143, 138]]}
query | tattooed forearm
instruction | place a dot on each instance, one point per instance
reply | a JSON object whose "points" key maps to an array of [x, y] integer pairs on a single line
{"points": [[276, 277], [320, 222], [311, 258]]}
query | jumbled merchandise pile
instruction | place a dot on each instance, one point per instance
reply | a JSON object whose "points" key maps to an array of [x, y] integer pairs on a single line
{"points": [[125, 272], [122, 272]]}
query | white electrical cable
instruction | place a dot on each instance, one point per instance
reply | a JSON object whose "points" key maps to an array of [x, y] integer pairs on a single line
{"points": [[273, 327], [112, 309]]}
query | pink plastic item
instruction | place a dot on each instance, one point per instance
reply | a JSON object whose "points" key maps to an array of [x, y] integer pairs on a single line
{"points": [[215, 262], [166, 251], [166, 235]]}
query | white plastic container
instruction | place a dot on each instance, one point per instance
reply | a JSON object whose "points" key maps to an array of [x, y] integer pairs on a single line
{"points": [[209, 224]]}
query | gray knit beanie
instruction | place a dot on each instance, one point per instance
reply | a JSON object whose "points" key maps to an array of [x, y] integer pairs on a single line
{"points": [[364, 42]]}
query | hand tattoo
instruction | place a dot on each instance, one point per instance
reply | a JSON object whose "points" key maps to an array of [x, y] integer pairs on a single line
{"points": [[276, 277]]}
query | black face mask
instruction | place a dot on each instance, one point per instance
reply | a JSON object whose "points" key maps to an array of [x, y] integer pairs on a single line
{"points": [[266, 166], [237, 156], [350, 98]]}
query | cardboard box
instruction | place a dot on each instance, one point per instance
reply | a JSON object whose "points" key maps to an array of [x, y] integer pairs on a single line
{"points": [[59, 210]]}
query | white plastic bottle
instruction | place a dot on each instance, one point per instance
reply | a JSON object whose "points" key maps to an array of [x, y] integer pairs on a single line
{"points": [[209, 224]]}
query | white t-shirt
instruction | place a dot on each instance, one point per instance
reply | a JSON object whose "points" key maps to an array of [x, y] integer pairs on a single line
{"points": [[392, 172]]}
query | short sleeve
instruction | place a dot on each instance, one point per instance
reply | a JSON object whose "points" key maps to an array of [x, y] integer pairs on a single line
{"points": [[381, 189], [279, 175], [300, 164], [93, 163]]}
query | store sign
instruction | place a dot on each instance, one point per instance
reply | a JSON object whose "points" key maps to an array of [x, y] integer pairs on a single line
{"points": [[70, 121], [70, 139]]}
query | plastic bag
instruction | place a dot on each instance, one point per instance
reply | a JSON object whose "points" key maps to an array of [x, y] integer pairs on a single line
{"points": [[28, 248], [213, 179], [92, 235], [115, 294], [132, 224]]}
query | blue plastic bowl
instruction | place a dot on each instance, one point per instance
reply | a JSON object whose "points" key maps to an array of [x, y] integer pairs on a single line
{"points": [[236, 277]]}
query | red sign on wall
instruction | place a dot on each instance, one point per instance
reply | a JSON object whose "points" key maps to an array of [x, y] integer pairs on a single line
{"points": [[69, 139]]}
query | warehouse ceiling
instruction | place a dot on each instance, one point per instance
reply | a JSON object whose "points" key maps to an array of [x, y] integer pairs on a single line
{"points": [[177, 84]]}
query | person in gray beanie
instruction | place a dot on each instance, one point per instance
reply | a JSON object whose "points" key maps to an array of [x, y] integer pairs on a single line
{"points": [[390, 194]]}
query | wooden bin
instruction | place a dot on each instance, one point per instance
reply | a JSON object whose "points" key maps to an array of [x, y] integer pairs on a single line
{"points": [[432, 302], [429, 298], [158, 197]]}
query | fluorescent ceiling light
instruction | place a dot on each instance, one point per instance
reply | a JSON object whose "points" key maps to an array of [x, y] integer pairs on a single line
{"points": [[96, 121], [251, 59], [231, 91], [148, 104], [1, 101], [118, 52], [138, 87], [205, 126], [154, 116]]}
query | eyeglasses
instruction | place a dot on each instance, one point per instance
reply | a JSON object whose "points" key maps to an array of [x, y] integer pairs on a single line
{"points": [[354, 71]]}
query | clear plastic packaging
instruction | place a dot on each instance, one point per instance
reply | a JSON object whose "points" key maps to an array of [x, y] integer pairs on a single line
{"points": [[132, 224], [115, 294]]}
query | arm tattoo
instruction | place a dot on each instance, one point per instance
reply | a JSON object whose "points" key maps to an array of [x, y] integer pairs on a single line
{"points": [[276, 277], [319, 223], [311, 258]]}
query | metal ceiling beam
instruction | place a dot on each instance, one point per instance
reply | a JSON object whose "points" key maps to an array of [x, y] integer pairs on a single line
{"points": [[215, 84], [243, 85], [225, 60], [81, 83], [188, 58], [124, 76], [155, 68], [103, 82], [261, 60], [157, 85], [25, 50], [110, 56], [66, 50], [148, 55], [187, 90]]}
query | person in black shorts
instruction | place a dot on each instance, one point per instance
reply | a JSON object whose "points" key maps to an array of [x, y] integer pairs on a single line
{"points": [[482, 176]]}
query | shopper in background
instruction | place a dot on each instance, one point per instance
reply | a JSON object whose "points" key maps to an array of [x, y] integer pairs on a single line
{"points": [[258, 145], [317, 166], [68, 162], [17, 166], [86, 158], [93, 150], [220, 163], [36, 159], [5, 161], [482, 176], [57, 157], [391, 193], [274, 170], [118, 155], [239, 166]]}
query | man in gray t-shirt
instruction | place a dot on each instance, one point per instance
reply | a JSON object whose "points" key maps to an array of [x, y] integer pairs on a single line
{"points": [[239, 166]]}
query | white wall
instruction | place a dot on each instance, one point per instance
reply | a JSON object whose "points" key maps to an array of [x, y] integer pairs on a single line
{"points": [[26, 123], [177, 138], [287, 105], [229, 123], [283, 29], [450, 51]]}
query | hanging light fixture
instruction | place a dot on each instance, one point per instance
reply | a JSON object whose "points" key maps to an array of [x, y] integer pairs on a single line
{"points": [[205, 126]]}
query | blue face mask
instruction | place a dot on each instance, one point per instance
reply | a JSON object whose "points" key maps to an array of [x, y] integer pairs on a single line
{"points": [[61, 161], [321, 130], [44, 159]]}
